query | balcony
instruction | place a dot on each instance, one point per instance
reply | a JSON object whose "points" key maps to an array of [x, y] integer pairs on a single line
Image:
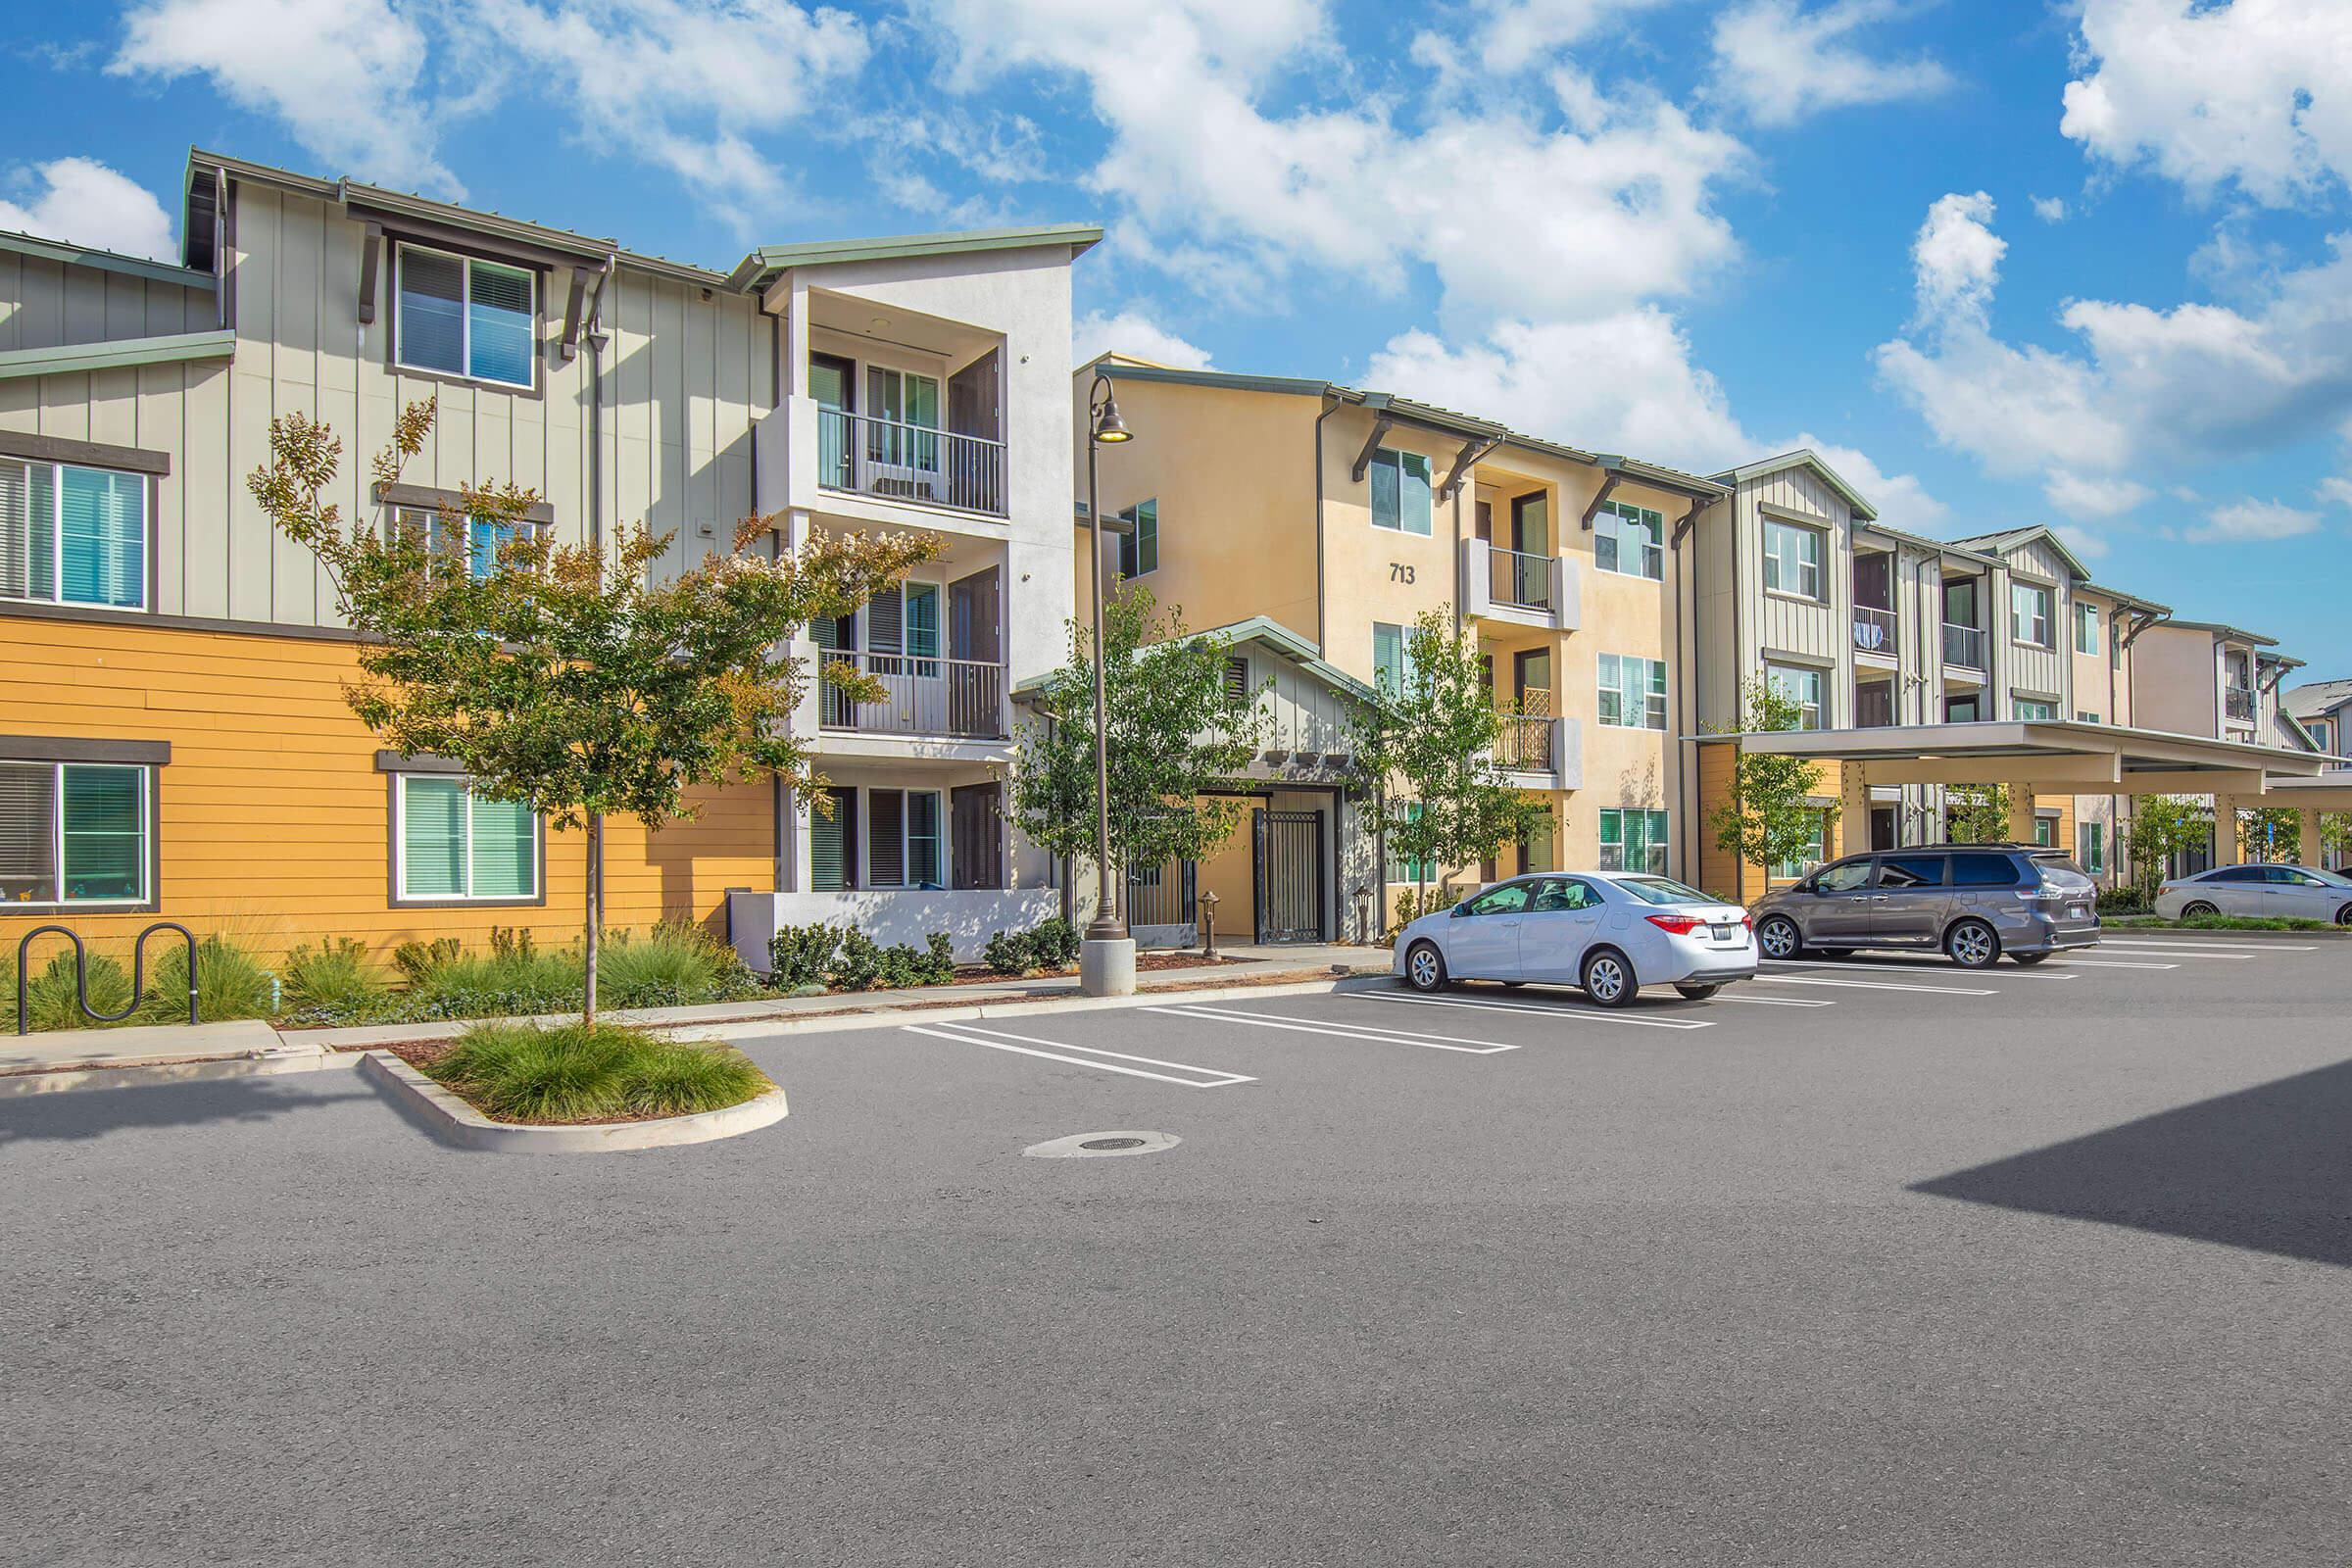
{"points": [[1544, 752], [1874, 631], [1527, 590], [1518, 579], [958, 698], [2237, 704], [892, 459], [1964, 646]]}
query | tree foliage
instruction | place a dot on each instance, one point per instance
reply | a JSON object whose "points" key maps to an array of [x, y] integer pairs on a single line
{"points": [[2162, 826], [560, 676], [1174, 734], [2271, 833], [1977, 814], [1769, 817], [1428, 744]]}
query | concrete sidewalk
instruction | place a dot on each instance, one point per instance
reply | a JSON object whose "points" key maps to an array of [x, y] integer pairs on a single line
{"points": [[97, 1058]]}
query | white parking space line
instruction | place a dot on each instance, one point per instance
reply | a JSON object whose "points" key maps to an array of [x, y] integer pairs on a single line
{"points": [[2211, 955], [2072, 963], [1365, 1032], [965, 1034], [1873, 985], [1593, 1014], [1873, 967], [1777, 1001]]}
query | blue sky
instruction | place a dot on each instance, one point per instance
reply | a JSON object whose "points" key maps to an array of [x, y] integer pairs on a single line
{"points": [[2003, 262]]}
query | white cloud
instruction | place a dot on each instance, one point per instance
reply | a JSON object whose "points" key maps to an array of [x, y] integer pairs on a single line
{"points": [[2050, 209], [346, 76], [2079, 495], [1956, 259], [85, 203], [1136, 335], [1514, 35], [2082, 541], [1900, 499], [2337, 490], [1780, 62], [2258, 93], [2253, 520]]}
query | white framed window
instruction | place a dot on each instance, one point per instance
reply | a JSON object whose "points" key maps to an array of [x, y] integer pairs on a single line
{"points": [[2032, 708], [1791, 559], [1629, 539], [75, 834], [1799, 684], [1814, 851], [1401, 491], [902, 840], [2090, 847], [2084, 717], [2086, 628], [450, 844], [462, 315], [2029, 613], [1139, 547], [1404, 868], [71, 535], [1392, 658], [1634, 841], [1633, 692], [483, 538]]}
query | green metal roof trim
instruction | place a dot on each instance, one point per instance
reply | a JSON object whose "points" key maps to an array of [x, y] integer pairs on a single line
{"points": [[759, 267], [2123, 598], [74, 358], [1257, 629], [2008, 539], [1942, 547], [1652, 473], [2223, 630], [1119, 370], [105, 261], [1805, 457]]}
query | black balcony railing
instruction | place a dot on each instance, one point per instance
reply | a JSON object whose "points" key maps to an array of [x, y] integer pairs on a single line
{"points": [[1517, 578], [894, 461], [1963, 645]]}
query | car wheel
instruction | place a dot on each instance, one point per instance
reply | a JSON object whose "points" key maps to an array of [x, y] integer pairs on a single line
{"points": [[2198, 910], [1425, 968], [1973, 945], [1697, 993], [2029, 959], [1609, 978], [2343, 916], [1777, 935]]}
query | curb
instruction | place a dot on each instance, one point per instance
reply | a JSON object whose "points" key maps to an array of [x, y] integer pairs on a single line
{"points": [[453, 1121], [2169, 932], [263, 1064]]}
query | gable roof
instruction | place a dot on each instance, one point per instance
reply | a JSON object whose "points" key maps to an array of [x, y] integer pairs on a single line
{"points": [[1263, 629], [759, 268], [2315, 699], [1804, 457], [2005, 540], [2222, 629]]}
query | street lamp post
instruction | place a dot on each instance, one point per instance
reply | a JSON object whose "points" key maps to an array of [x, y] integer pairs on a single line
{"points": [[1106, 958]]}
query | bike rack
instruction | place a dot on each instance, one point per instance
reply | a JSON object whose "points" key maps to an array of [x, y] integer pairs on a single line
{"points": [[81, 973]]}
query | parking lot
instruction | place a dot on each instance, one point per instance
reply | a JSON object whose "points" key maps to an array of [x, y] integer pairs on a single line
{"points": [[1868, 1261]]}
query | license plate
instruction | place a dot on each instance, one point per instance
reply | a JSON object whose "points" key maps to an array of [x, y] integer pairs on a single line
{"points": [[2077, 912], [1725, 933]]}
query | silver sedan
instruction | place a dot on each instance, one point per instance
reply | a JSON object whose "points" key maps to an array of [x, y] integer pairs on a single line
{"points": [[2265, 892]]}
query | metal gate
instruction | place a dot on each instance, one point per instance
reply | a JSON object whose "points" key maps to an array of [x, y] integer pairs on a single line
{"points": [[1290, 877], [1162, 896]]}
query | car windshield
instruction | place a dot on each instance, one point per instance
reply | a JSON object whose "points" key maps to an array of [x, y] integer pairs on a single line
{"points": [[1658, 890]]}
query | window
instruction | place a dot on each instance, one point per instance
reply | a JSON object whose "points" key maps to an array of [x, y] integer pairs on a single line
{"points": [[73, 833], [833, 842], [1509, 899], [1846, 876], [72, 536], [903, 839], [1798, 684], [1237, 679], [1401, 491], [2045, 831], [1814, 851], [1138, 548], [462, 317], [1634, 841], [1960, 710], [1911, 872], [1404, 868], [2032, 708], [2084, 717], [1391, 657], [1564, 895], [1791, 559], [1633, 692], [2090, 847], [2318, 733], [2029, 613], [451, 844], [904, 619], [1629, 539], [484, 539], [1982, 871], [2086, 628]]}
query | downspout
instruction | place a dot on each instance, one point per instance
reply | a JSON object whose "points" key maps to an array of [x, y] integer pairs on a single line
{"points": [[1682, 782], [1322, 638]]}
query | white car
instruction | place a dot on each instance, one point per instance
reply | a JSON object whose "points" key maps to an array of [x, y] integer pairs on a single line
{"points": [[1610, 932], [2267, 892]]}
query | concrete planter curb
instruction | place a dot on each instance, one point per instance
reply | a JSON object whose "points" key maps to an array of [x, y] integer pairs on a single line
{"points": [[453, 1121], [2170, 933], [260, 1064]]}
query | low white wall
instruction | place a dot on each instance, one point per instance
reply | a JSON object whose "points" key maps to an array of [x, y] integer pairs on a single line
{"points": [[969, 919]]}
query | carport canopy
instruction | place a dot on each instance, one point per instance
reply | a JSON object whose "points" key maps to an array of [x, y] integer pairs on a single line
{"points": [[2053, 757]]}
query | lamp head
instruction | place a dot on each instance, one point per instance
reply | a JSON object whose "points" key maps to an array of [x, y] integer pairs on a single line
{"points": [[1109, 428]]}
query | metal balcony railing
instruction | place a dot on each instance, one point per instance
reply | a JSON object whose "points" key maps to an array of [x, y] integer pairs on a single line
{"points": [[962, 697], [894, 461], [1873, 630], [2238, 703], [1515, 577], [1527, 744], [1963, 645]]}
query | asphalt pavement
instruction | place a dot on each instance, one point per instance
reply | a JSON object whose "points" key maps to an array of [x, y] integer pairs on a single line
{"points": [[1866, 1262]]}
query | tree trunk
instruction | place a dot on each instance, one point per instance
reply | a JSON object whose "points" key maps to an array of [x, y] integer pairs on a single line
{"points": [[596, 912]]}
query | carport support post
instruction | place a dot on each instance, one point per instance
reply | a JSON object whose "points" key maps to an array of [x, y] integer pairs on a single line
{"points": [[2308, 850], [2021, 812], [1854, 808]]}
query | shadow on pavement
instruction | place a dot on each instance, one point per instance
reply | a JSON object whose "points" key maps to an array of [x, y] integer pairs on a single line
{"points": [[95, 1112], [2269, 1168]]}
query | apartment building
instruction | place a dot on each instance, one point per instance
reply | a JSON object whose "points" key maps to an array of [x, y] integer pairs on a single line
{"points": [[177, 741], [1341, 514]]}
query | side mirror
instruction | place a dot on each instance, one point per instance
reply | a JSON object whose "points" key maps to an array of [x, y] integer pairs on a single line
{"points": [[1458, 911]]}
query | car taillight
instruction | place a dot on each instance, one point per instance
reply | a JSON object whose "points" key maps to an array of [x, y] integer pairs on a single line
{"points": [[1678, 925]]}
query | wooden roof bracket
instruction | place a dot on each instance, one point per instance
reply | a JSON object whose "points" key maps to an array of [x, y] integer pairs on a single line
{"points": [[1363, 459], [1601, 499]]}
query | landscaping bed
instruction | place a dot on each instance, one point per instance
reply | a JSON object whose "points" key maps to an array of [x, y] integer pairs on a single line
{"points": [[576, 1074]]}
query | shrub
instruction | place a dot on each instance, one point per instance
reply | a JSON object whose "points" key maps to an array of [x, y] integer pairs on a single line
{"points": [[586, 1072], [49, 993], [230, 983], [1051, 944], [472, 985], [2123, 900], [415, 959], [1009, 952], [801, 955], [334, 983], [859, 965], [938, 964], [669, 966]]}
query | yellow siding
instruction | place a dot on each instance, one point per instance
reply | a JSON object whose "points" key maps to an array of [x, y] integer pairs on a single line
{"points": [[274, 820]]}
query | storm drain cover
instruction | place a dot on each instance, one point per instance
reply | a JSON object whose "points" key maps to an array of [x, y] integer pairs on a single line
{"points": [[1092, 1146]]}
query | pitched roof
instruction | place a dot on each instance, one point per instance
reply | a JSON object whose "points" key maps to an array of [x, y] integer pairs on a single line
{"points": [[1804, 457], [2314, 697], [2223, 630], [1257, 629], [759, 268], [2003, 540]]}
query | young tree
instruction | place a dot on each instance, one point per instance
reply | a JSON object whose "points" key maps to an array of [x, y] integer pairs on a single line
{"points": [[1175, 734], [2335, 833], [1769, 818], [558, 676], [1428, 744], [2162, 826], [2271, 833], [1977, 814]]}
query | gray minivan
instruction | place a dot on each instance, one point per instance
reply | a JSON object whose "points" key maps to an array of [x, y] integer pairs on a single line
{"points": [[1974, 902]]}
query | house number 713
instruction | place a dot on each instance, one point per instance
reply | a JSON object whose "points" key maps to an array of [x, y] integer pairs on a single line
{"points": [[1399, 572]]}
